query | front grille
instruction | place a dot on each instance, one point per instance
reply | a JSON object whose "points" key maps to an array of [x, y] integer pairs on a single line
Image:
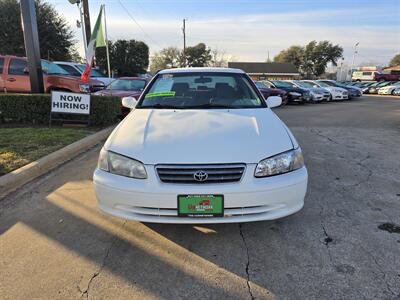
{"points": [[216, 173]]}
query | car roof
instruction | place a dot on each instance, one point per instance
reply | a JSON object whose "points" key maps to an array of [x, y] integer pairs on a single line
{"points": [[201, 70]]}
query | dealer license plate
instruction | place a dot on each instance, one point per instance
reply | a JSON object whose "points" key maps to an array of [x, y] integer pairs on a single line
{"points": [[200, 206]]}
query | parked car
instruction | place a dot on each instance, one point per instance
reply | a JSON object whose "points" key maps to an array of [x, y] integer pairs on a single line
{"points": [[337, 93], [373, 88], [392, 75], [124, 87], [14, 77], [363, 75], [389, 89], [201, 135], [352, 90], [76, 69], [317, 94], [295, 94], [396, 92], [266, 92]]}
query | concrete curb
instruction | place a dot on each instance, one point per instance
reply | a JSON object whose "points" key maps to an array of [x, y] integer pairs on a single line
{"points": [[17, 178]]}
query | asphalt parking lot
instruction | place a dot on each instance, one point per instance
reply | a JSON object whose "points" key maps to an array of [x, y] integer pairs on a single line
{"points": [[55, 244]]}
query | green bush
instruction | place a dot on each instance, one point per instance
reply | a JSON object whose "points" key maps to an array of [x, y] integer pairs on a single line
{"points": [[35, 109]]}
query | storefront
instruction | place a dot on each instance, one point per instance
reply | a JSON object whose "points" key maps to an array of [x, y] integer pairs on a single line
{"points": [[263, 71]]}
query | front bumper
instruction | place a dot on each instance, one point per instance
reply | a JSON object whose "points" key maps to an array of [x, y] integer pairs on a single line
{"points": [[251, 199], [384, 92]]}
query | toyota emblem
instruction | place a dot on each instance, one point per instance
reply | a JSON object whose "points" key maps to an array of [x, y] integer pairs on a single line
{"points": [[200, 176]]}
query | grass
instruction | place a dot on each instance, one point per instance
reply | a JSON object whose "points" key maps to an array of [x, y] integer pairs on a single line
{"points": [[20, 146]]}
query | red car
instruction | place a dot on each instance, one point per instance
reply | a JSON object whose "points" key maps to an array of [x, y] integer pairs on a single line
{"points": [[14, 77], [392, 75], [266, 92], [124, 87]]}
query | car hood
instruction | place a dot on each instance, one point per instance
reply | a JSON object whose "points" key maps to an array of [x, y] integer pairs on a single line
{"points": [[388, 87], [75, 78], [335, 89], [318, 90], [118, 93], [156, 136], [293, 89]]}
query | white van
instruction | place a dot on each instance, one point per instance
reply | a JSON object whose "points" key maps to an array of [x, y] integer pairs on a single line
{"points": [[363, 75]]}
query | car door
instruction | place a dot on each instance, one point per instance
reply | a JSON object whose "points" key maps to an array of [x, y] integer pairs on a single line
{"points": [[2, 83], [17, 78]]}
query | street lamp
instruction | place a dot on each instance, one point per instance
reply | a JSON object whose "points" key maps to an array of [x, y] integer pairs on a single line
{"points": [[78, 2], [354, 56]]}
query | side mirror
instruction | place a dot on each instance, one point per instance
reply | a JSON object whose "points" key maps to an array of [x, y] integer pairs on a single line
{"points": [[274, 101], [129, 102]]}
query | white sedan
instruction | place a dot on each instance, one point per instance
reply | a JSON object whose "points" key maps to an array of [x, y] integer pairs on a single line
{"points": [[201, 145], [389, 89], [337, 93]]}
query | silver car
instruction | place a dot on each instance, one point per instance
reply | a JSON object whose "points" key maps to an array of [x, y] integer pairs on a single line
{"points": [[317, 94]]}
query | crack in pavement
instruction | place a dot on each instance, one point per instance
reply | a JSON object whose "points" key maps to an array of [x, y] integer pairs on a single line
{"points": [[248, 261], [327, 239], [85, 293]]}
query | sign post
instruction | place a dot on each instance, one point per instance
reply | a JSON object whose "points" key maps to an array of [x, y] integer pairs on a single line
{"points": [[69, 103]]}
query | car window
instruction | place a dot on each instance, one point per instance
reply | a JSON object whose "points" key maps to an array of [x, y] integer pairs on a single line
{"points": [[1, 65], [127, 85], [18, 67], [71, 70], [367, 73], [201, 90]]}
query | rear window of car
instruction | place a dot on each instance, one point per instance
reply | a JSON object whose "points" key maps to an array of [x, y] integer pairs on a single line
{"points": [[17, 67], [1, 65]]}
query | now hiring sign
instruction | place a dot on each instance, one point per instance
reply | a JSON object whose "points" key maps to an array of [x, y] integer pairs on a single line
{"points": [[70, 103]]}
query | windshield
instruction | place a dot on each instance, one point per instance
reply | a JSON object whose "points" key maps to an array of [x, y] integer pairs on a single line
{"points": [[304, 84], [282, 84], [329, 83], [322, 84], [203, 90], [52, 69], [93, 72], [127, 85], [260, 85]]}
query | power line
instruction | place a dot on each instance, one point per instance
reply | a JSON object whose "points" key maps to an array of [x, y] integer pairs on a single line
{"points": [[137, 23]]}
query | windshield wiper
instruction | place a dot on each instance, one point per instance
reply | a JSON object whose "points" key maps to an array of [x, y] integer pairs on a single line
{"points": [[158, 105], [210, 105]]}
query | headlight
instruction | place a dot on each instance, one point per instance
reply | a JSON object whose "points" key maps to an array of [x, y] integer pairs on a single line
{"points": [[121, 165], [280, 164], [295, 94], [84, 88]]}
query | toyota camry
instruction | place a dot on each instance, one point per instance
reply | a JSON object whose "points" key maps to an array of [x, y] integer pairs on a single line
{"points": [[201, 145]]}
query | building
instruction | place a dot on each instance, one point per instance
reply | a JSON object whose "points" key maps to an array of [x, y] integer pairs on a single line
{"points": [[267, 70], [392, 68]]}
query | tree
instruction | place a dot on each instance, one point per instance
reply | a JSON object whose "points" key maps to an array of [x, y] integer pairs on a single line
{"points": [[294, 55], [55, 36], [127, 57], [198, 56], [312, 59], [395, 61], [166, 58], [219, 58]]}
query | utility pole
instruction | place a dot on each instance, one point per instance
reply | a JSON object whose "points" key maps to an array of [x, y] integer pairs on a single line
{"points": [[184, 41], [86, 17], [354, 57], [32, 49]]}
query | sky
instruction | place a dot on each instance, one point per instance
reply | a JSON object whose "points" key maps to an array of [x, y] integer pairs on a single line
{"points": [[249, 30]]}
